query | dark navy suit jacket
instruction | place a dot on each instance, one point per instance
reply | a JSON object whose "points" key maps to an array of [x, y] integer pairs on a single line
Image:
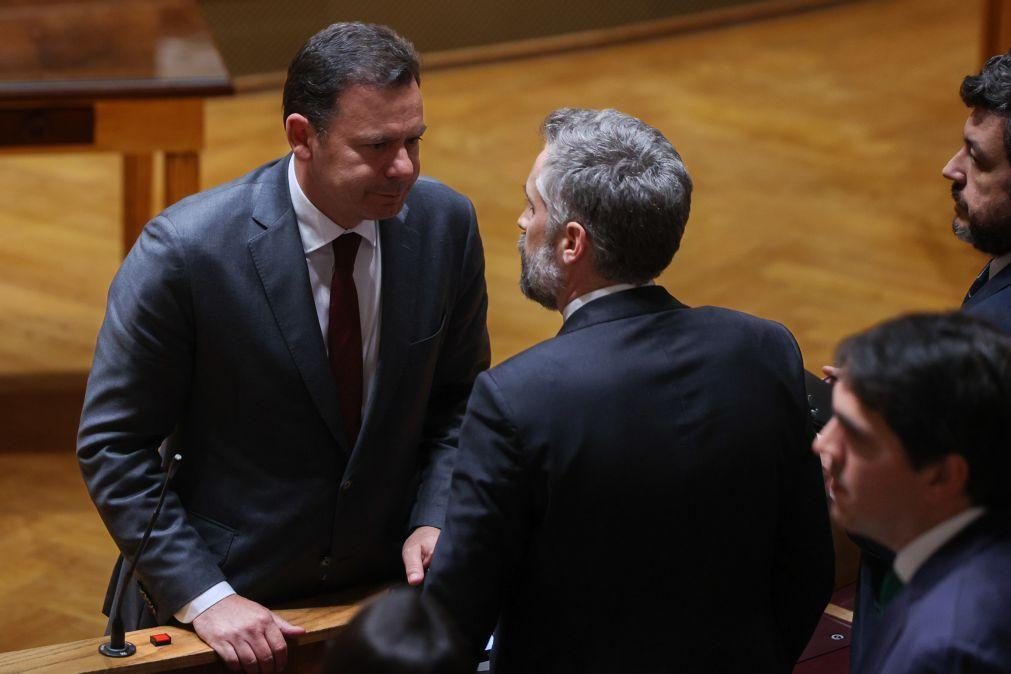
{"points": [[954, 616], [992, 302], [638, 494]]}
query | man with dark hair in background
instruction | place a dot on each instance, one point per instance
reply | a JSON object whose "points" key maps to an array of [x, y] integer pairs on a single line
{"points": [[918, 457], [636, 494], [980, 175], [307, 337]]}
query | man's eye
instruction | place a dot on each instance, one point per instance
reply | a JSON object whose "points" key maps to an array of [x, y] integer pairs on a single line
{"points": [[377, 146], [412, 142]]}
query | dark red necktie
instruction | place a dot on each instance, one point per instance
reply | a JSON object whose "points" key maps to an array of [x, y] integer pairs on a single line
{"points": [[344, 336]]}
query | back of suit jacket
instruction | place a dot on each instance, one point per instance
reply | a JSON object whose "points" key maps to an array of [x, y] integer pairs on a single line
{"points": [[211, 339], [638, 495]]}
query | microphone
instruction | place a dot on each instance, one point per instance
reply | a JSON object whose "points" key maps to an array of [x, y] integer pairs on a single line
{"points": [[118, 646]]}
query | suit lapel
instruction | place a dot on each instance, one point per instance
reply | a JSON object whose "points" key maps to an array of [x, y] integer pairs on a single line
{"points": [[399, 241], [280, 262]]}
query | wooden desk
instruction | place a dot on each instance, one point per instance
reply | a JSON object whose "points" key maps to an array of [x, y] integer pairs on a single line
{"points": [[125, 76], [322, 620]]}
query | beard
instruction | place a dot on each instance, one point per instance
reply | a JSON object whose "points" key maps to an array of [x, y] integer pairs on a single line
{"points": [[540, 277], [987, 231]]}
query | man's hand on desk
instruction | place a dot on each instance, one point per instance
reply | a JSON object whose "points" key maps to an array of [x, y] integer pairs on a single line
{"points": [[246, 635], [417, 553]]}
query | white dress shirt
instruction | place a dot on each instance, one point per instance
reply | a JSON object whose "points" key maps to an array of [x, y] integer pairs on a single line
{"points": [[317, 233], [910, 558], [581, 301]]}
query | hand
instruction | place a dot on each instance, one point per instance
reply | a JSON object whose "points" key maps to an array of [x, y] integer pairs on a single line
{"points": [[417, 553], [246, 635], [831, 373]]}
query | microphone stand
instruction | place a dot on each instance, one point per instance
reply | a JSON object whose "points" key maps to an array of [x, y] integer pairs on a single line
{"points": [[118, 646]]}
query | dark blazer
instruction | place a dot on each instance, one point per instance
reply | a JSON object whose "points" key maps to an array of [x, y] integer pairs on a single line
{"points": [[954, 616], [993, 301], [211, 340], [638, 494]]}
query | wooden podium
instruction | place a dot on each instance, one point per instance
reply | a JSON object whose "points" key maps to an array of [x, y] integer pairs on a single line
{"points": [[322, 619]]}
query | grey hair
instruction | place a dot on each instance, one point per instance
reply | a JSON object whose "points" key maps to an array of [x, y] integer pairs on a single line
{"points": [[624, 182]]}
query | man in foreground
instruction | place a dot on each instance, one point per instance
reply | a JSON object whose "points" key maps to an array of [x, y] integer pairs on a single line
{"points": [[636, 494], [918, 456], [307, 337]]}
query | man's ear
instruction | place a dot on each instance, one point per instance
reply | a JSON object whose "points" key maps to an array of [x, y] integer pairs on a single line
{"points": [[948, 478], [573, 243], [299, 132]]}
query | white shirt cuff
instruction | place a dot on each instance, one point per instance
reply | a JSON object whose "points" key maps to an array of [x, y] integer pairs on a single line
{"points": [[203, 602]]}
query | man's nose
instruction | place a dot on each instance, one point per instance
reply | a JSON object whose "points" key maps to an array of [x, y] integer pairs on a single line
{"points": [[402, 165], [953, 170]]}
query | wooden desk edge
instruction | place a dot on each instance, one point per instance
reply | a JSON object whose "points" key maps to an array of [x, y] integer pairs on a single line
{"points": [[186, 649]]}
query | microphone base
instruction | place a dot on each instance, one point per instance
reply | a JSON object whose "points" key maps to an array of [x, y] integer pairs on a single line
{"points": [[108, 651]]}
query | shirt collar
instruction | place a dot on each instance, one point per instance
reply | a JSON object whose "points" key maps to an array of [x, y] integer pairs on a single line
{"points": [[998, 263], [314, 227], [581, 301], [910, 558]]}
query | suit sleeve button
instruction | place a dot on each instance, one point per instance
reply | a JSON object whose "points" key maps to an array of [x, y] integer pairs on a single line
{"points": [[346, 485]]}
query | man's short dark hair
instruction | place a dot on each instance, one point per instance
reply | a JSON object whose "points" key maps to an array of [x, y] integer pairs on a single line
{"points": [[942, 383], [342, 55], [401, 632], [624, 182], [990, 90]]}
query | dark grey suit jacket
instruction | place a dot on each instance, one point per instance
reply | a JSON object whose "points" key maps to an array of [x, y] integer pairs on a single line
{"points": [[211, 340], [638, 494], [954, 617]]}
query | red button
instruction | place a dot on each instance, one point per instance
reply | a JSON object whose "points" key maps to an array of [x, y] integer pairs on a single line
{"points": [[161, 639]]}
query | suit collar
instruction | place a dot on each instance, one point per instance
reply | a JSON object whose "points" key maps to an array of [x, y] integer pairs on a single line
{"points": [[642, 300], [991, 287]]}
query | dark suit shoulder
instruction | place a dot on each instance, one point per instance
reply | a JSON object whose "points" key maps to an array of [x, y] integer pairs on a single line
{"points": [[233, 202], [431, 189], [996, 309], [723, 336], [742, 325], [962, 617], [440, 206]]}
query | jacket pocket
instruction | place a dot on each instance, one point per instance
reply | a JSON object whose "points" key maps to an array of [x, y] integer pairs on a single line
{"points": [[430, 335], [216, 535]]}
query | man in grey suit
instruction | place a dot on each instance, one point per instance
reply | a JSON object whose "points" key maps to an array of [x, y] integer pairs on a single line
{"points": [[307, 337], [624, 488]]}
